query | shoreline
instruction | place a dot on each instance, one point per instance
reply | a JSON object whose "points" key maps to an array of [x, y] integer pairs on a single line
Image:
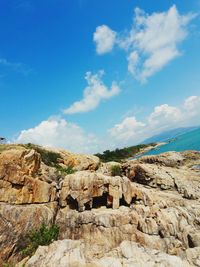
{"points": [[147, 149]]}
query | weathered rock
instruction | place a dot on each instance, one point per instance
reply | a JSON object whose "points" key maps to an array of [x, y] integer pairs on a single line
{"points": [[17, 220], [68, 253], [153, 175], [106, 168], [149, 218], [168, 171], [169, 159], [157, 227], [18, 162], [193, 256], [194, 240], [20, 181], [86, 190], [79, 162]]}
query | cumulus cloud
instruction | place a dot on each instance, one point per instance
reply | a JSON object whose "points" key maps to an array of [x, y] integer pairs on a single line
{"points": [[192, 103], [153, 40], [192, 108], [57, 132], [163, 117], [128, 129], [104, 38], [94, 93]]}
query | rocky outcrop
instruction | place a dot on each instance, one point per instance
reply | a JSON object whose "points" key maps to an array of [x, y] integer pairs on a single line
{"points": [[149, 216], [20, 180], [169, 159], [68, 253], [86, 190], [172, 171], [16, 221], [78, 162], [106, 168]]}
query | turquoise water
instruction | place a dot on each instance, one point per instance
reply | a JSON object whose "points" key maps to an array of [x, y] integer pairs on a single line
{"points": [[187, 141]]}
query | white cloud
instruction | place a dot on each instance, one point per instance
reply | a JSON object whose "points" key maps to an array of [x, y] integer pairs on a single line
{"points": [[192, 109], [164, 117], [128, 129], [192, 103], [156, 36], [104, 38], [153, 40], [58, 132], [133, 59], [94, 93]]}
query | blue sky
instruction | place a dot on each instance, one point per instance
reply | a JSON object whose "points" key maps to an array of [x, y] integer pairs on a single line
{"points": [[141, 62]]}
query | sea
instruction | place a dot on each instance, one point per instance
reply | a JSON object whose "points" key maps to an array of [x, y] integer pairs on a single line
{"points": [[185, 141]]}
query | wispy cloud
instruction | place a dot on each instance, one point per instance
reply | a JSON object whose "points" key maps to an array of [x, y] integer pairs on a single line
{"points": [[151, 43], [15, 66], [93, 94]]}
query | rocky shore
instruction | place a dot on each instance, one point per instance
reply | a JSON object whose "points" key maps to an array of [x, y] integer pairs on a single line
{"points": [[147, 216], [149, 148]]}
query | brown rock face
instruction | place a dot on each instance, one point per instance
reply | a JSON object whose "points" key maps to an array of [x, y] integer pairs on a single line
{"points": [[17, 220], [148, 217], [168, 171], [79, 162], [17, 163], [20, 182], [86, 190]]}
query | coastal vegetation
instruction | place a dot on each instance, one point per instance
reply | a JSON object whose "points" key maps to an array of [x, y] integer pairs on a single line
{"points": [[119, 155], [116, 170], [65, 170], [41, 237], [51, 158]]}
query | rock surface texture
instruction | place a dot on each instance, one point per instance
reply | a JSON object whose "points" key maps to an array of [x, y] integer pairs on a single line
{"points": [[149, 216]]}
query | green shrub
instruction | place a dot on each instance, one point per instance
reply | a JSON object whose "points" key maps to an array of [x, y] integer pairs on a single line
{"points": [[119, 155], [116, 170], [41, 237], [6, 264], [65, 171]]}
